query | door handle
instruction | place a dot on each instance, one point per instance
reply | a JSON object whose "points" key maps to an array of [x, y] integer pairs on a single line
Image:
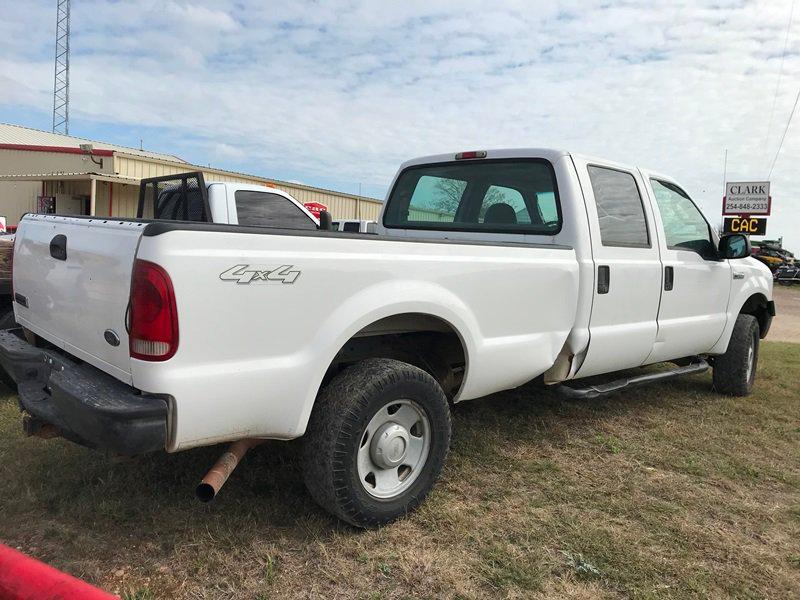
{"points": [[603, 279], [58, 247], [669, 278]]}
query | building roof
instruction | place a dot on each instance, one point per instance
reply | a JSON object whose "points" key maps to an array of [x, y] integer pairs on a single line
{"points": [[26, 138], [83, 175], [17, 135]]}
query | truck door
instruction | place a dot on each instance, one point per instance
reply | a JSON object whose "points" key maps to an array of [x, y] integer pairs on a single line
{"points": [[694, 297], [627, 268]]}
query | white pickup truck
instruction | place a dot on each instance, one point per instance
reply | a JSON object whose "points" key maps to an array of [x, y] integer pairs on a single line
{"points": [[489, 269], [188, 197]]}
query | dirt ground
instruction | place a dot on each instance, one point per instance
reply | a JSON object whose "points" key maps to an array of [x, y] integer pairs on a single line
{"points": [[786, 324]]}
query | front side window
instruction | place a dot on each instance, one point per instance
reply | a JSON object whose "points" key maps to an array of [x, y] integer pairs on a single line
{"points": [[685, 228], [262, 209], [499, 196], [619, 208]]}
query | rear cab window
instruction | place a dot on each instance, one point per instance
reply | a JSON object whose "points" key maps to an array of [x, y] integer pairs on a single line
{"points": [[497, 196], [263, 209]]}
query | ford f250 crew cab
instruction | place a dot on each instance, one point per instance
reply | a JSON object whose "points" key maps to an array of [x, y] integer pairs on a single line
{"points": [[489, 269]]}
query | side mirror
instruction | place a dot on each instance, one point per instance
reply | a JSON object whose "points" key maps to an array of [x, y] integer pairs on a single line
{"points": [[734, 245], [325, 221]]}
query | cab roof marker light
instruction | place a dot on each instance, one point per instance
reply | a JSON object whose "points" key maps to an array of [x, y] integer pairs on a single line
{"points": [[471, 154]]}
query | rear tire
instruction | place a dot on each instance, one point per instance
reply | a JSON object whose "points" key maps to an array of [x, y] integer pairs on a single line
{"points": [[376, 442], [735, 371]]}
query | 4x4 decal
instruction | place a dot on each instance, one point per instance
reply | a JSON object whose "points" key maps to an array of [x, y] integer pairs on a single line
{"points": [[243, 274]]}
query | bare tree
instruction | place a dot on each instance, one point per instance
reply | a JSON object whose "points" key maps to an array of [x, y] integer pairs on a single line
{"points": [[449, 192], [448, 195]]}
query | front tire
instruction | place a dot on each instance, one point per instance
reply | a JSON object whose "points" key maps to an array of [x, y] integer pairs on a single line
{"points": [[735, 371], [376, 442]]}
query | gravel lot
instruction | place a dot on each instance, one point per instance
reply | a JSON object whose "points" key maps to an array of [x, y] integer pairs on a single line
{"points": [[786, 324]]}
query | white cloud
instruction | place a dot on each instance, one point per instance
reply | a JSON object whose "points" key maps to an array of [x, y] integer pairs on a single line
{"points": [[201, 17], [343, 91]]}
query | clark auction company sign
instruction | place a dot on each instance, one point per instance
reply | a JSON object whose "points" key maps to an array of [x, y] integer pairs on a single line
{"points": [[745, 198]]}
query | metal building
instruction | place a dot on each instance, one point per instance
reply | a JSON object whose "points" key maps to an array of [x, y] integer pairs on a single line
{"points": [[49, 172]]}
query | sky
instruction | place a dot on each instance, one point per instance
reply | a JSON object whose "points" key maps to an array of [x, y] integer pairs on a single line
{"points": [[338, 93]]}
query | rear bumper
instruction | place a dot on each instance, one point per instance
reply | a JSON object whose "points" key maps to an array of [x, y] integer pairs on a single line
{"points": [[84, 404]]}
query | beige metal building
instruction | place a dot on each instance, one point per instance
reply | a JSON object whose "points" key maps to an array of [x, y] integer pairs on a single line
{"points": [[41, 171]]}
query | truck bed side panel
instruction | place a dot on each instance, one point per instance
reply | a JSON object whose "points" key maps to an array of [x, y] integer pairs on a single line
{"points": [[262, 316]]}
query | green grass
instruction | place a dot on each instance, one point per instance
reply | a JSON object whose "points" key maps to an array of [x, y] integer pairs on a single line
{"points": [[664, 492]]}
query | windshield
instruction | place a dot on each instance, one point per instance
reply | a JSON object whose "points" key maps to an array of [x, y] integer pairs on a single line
{"points": [[502, 196]]}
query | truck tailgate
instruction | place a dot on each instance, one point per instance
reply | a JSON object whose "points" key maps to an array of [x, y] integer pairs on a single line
{"points": [[77, 299]]}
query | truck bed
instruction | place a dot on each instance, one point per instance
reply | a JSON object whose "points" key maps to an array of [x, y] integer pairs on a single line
{"points": [[263, 312]]}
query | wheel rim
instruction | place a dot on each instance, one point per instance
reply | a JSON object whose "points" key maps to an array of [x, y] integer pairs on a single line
{"points": [[751, 355], [393, 449]]}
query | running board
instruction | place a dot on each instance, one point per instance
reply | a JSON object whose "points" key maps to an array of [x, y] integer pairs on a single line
{"points": [[603, 389]]}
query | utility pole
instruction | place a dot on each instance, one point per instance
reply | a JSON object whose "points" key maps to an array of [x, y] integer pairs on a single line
{"points": [[725, 171], [61, 77]]}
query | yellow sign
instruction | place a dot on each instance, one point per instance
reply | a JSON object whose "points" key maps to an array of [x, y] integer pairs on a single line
{"points": [[747, 225]]}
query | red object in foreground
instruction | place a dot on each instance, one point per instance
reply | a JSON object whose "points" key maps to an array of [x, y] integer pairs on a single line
{"points": [[25, 578], [315, 208]]}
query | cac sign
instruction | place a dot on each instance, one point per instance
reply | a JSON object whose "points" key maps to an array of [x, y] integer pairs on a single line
{"points": [[747, 198], [748, 225]]}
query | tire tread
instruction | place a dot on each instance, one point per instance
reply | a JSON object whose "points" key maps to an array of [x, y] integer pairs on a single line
{"points": [[730, 369], [334, 422]]}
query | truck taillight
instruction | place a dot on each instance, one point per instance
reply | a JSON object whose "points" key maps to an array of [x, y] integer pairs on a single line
{"points": [[154, 314]]}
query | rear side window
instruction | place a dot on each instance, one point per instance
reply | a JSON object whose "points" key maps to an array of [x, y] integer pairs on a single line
{"points": [[619, 208], [498, 196], [351, 226], [262, 209]]}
